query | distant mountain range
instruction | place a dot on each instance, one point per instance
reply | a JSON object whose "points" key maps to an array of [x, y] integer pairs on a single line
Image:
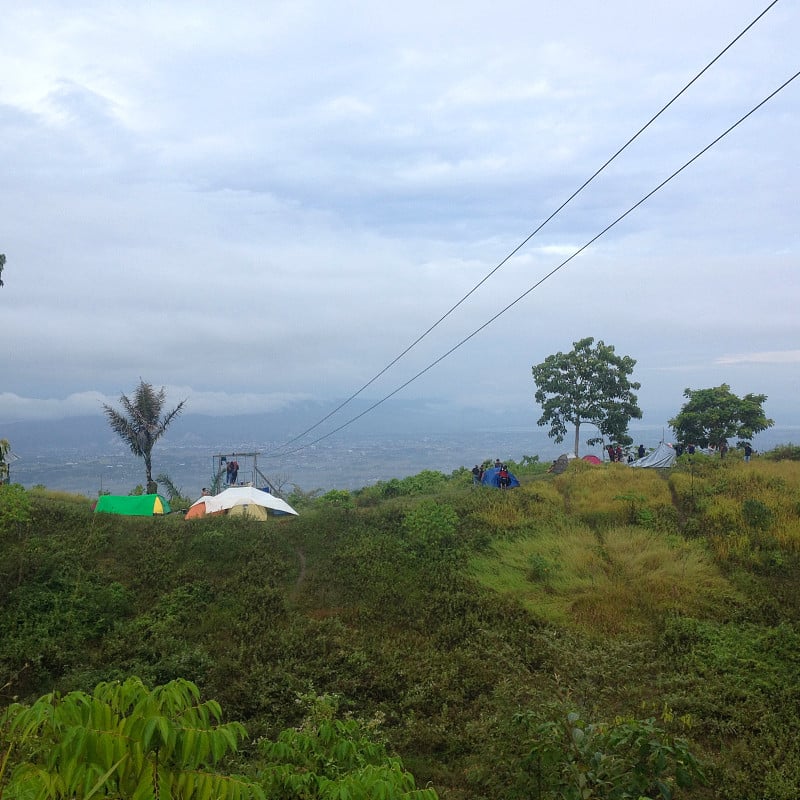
{"points": [[396, 419]]}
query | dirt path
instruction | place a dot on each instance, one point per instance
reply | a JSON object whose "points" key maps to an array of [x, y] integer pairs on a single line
{"points": [[301, 576]]}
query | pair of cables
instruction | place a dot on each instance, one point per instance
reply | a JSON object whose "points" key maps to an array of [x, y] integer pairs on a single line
{"points": [[287, 448]]}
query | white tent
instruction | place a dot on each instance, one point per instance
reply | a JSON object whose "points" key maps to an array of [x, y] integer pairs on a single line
{"points": [[662, 457], [242, 496]]}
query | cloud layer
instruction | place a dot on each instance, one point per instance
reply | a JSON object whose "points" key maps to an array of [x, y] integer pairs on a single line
{"points": [[268, 202]]}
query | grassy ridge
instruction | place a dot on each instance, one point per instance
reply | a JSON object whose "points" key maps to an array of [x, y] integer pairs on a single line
{"points": [[445, 611]]}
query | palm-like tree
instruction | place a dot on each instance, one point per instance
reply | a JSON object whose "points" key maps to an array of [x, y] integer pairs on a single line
{"points": [[142, 424]]}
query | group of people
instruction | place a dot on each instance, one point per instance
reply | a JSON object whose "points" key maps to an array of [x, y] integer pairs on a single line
{"points": [[615, 453], [691, 449], [232, 472], [503, 475]]}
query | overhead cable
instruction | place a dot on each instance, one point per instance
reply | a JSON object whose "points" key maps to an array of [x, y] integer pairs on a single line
{"points": [[530, 236], [549, 274]]}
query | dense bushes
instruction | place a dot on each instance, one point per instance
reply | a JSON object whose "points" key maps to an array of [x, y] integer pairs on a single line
{"points": [[444, 610]]}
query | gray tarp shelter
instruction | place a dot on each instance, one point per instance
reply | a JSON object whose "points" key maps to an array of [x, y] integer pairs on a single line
{"points": [[661, 458]]}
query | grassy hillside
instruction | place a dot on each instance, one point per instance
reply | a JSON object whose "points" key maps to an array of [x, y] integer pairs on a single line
{"points": [[475, 629]]}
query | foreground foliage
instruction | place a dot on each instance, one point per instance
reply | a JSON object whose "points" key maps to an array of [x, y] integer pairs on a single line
{"points": [[126, 741], [447, 620], [627, 759]]}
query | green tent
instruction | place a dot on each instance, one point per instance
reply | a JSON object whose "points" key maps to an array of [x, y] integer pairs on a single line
{"points": [[135, 505]]}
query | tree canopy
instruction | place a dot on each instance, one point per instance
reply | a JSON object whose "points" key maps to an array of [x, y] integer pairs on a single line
{"points": [[142, 424], [712, 416], [588, 384]]}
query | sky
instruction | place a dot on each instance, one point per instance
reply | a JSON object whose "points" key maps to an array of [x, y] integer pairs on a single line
{"points": [[254, 204]]}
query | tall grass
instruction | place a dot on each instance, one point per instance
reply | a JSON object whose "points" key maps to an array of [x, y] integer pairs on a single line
{"points": [[749, 513], [607, 496], [623, 581]]}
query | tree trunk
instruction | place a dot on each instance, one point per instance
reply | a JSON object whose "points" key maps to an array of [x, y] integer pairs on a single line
{"points": [[148, 468], [577, 435]]}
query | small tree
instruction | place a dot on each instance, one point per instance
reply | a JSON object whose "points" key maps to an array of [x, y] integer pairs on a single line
{"points": [[15, 507], [5, 449], [712, 416], [142, 424], [588, 384]]}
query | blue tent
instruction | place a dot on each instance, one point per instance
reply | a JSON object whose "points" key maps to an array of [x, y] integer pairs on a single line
{"points": [[492, 478]]}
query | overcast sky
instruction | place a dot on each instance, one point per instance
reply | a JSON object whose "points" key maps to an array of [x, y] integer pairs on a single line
{"points": [[253, 203]]}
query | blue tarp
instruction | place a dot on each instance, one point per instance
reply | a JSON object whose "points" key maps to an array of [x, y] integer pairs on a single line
{"points": [[492, 478]]}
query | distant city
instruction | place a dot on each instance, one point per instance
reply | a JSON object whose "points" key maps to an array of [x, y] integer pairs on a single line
{"points": [[84, 456]]}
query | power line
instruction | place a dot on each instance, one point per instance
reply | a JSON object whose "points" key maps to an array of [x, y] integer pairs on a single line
{"points": [[549, 274], [529, 237]]}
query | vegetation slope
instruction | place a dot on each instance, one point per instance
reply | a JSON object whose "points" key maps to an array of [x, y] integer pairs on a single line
{"points": [[475, 630]]}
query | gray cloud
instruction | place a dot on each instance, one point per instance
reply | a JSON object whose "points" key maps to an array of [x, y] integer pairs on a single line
{"points": [[269, 203]]}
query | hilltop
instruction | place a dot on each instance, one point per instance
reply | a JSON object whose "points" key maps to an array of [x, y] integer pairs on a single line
{"points": [[469, 628]]}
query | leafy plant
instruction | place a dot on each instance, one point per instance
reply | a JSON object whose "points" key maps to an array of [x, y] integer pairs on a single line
{"points": [[177, 498], [326, 757], [756, 514], [123, 740], [784, 452], [340, 498], [627, 759], [431, 525]]}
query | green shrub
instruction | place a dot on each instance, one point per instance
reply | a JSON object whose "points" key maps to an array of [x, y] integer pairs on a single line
{"points": [[340, 498], [757, 515], [628, 758], [784, 452], [431, 526]]}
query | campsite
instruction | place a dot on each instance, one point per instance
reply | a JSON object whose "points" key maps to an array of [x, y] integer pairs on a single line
{"points": [[459, 625]]}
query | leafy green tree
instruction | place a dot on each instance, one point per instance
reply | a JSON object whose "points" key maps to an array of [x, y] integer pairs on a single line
{"points": [[588, 384], [712, 416], [142, 423]]}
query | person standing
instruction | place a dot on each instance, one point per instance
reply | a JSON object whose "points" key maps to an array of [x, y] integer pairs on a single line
{"points": [[641, 451], [504, 477], [748, 451]]}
